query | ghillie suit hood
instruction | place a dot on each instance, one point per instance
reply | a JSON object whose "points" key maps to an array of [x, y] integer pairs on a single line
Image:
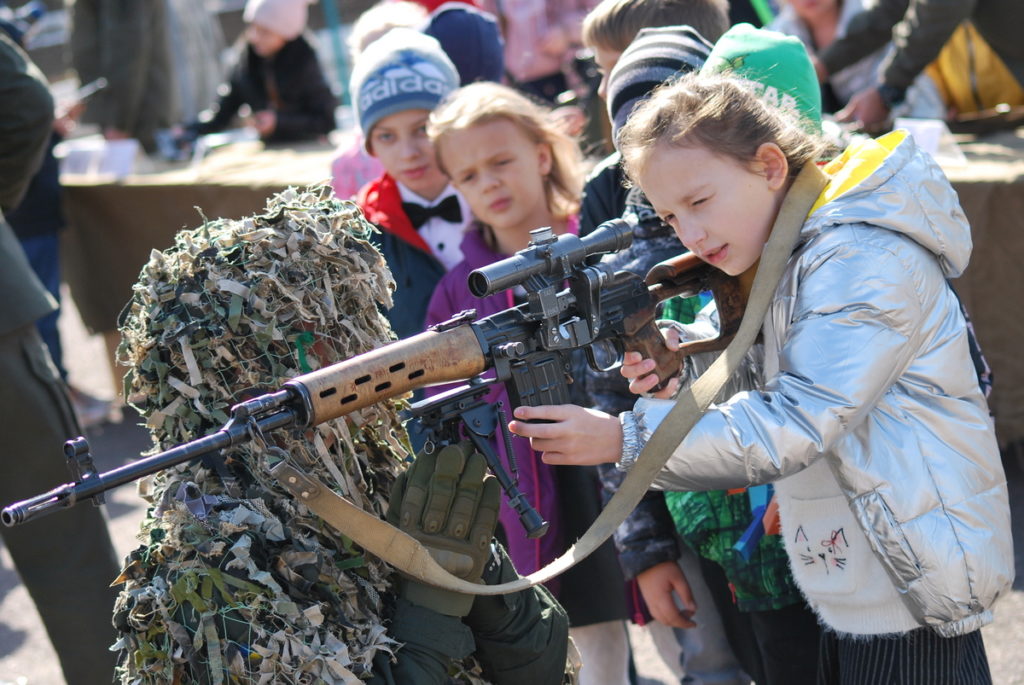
{"points": [[235, 581]]}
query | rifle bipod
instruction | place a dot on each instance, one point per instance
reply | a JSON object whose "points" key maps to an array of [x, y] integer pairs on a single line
{"points": [[461, 413]]}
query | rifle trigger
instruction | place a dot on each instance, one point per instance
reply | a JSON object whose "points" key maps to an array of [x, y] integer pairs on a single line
{"points": [[295, 481]]}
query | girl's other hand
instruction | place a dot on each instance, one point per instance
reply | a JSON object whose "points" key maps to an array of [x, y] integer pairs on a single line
{"points": [[638, 370], [642, 379], [660, 585], [571, 435]]}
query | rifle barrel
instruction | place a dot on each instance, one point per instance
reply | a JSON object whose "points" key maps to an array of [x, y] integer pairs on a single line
{"points": [[69, 494]]}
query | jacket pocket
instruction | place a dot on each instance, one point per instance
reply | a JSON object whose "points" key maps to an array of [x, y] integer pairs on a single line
{"points": [[887, 538], [828, 553]]}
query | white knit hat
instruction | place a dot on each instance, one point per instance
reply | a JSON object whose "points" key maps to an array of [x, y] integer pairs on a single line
{"points": [[287, 18], [402, 70]]}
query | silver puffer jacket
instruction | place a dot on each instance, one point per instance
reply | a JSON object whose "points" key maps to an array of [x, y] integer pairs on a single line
{"points": [[867, 366]]}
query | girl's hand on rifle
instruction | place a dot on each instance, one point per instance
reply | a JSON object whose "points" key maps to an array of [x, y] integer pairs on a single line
{"points": [[570, 435], [638, 369]]}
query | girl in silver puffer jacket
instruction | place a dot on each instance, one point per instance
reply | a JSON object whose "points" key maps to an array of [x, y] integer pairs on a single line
{"points": [[870, 421]]}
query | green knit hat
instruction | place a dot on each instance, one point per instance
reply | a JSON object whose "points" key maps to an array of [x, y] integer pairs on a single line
{"points": [[776, 66]]}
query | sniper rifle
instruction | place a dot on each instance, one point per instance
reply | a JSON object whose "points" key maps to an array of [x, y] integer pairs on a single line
{"points": [[572, 302]]}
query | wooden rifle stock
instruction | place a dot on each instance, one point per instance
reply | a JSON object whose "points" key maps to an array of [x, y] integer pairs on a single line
{"points": [[686, 275]]}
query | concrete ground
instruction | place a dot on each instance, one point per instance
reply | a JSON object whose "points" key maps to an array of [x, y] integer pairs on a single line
{"points": [[26, 657]]}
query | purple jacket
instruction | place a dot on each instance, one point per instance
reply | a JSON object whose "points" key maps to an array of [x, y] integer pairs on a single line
{"points": [[537, 480]]}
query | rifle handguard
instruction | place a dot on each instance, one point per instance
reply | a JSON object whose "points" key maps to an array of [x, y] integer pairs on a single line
{"points": [[429, 358]]}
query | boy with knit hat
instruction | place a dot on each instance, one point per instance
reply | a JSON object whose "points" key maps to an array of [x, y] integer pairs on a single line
{"points": [[277, 74], [655, 56], [397, 81], [608, 30]]}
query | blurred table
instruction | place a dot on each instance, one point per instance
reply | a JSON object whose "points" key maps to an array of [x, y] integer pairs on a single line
{"points": [[114, 225], [991, 189]]}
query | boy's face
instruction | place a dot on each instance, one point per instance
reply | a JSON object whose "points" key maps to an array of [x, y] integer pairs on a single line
{"points": [[721, 209], [265, 42], [401, 144], [606, 59]]}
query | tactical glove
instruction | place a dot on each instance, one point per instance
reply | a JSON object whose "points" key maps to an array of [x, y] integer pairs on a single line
{"points": [[448, 502]]}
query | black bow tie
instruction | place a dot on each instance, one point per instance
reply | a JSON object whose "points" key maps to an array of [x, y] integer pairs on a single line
{"points": [[448, 209]]}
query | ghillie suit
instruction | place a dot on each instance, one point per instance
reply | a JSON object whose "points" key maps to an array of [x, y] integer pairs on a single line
{"points": [[236, 582]]}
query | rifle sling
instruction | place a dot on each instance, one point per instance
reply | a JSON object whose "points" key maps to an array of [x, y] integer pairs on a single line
{"points": [[411, 558]]}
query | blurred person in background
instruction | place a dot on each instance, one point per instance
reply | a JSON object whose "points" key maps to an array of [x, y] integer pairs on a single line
{"points": [[37, 221], [819, 24], [197, 44], [919, 29], [65, 561], [541, 40], [128, 44], [275, 72]]}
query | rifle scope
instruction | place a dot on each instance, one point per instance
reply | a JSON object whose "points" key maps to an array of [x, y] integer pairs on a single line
{"points": [[550, 257]]}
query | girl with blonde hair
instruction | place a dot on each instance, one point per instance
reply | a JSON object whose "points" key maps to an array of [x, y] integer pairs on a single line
{"points": [[517, 172]]}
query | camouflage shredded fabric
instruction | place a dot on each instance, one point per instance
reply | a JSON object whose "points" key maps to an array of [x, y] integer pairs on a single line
{"points": [[236, 582]]}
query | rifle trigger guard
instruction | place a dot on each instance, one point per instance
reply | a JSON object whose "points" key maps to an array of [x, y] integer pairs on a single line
{"points": [[295, 481], [614, 344]]}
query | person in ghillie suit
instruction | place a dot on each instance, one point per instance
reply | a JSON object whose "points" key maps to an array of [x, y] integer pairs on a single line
{"points": [[235, 581]]}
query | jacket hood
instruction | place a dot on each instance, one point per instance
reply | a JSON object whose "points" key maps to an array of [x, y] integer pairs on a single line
{"points": [[890, 183]]}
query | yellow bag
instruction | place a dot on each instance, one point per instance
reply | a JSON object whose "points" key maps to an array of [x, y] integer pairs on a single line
{"points": [[970, 76]]}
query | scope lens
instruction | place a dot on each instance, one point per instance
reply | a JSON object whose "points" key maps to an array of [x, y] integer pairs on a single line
{"points": [[478, 283]]}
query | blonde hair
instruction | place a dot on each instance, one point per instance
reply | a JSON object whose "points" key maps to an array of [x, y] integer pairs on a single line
{"points": [[484, 102], [613, 24], [721, 115]]}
